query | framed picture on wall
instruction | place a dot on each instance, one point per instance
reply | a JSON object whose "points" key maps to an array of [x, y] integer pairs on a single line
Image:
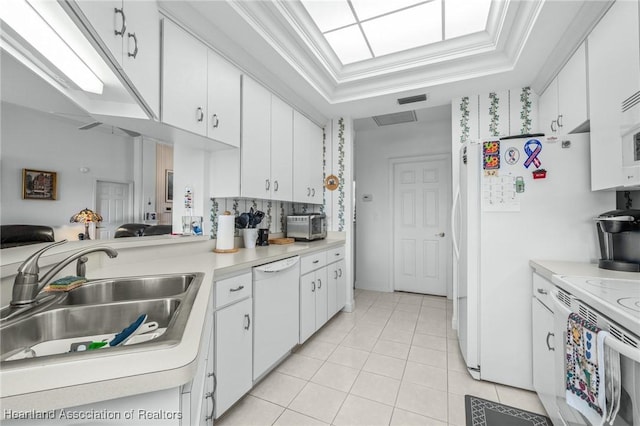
{"points": [[39, 185], [168, 186]]}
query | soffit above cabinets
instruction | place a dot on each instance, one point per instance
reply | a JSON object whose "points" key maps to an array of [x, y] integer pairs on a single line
{"points": [[277, 43]]}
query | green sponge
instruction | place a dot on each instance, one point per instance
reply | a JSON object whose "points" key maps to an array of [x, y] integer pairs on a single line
{"points": [[66, 283]]}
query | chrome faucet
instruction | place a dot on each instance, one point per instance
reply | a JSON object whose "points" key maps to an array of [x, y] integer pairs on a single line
{"points": [[27, 284]]}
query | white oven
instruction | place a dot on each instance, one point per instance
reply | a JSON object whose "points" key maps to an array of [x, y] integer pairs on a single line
{"points": [[619, 299]]}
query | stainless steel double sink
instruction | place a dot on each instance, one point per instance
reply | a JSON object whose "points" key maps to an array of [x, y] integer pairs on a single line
{"points": [[104, 306]]}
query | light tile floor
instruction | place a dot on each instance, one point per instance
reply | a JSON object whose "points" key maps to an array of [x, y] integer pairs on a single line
{"points": [[394, 361]]}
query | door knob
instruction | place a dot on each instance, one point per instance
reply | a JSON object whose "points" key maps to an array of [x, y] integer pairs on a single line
{"points": [[441, 235]]}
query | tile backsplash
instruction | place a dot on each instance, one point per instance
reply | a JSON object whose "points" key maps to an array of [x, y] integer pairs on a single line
{"points": [[275, 211]]}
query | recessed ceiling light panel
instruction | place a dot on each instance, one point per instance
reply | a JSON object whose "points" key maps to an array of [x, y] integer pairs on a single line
{"points": [[348, 44], [462, 17], [330, 14], [406, 29], [366, 9]]}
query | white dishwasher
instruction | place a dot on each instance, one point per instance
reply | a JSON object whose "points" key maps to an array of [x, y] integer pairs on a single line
{"points": [[276, 322]]}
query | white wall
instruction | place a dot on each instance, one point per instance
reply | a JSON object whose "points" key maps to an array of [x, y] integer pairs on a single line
{"points": [[34, 140], [373, 150]]}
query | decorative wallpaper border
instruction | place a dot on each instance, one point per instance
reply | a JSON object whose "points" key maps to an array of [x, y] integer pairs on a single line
{"points": [[493, 114], [464, 120], [341, 174], [525, 111]]}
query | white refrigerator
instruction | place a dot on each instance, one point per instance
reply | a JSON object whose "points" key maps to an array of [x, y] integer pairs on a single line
{"points": [[503, 218]]}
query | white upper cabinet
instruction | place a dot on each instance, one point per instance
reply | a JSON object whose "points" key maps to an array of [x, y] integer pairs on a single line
{"points": [[307, 160], [563, 105], [223, 105], [281, 150], [614, 75], [267, 144], [256, 140], [200, 90], [130, 31], [184, 79]]}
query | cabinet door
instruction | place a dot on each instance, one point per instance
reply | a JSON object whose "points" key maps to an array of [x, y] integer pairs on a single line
{"points": [[184, 80], [233, 354], [301, 155], [223, 104], [281, 150], [572, 92], [614, 75], [544, 355], [141, 50], [316, 178], [548, 109], [322, 294], [332, 287], [341, 285], [106, 21], [307, 306], [256, 144]]}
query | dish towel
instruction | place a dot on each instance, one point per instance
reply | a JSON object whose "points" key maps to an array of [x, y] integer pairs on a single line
{"points": [[585, 368]]}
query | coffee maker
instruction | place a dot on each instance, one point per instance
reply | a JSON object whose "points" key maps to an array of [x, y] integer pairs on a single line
{"points": [[619, 238]]}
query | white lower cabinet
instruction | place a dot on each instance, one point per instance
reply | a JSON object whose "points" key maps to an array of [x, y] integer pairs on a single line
{"points": [[337, 287], [313, 302], [233, 349], [544, 356]]}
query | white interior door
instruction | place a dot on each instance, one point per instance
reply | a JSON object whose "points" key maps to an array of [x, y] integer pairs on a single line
{"points": [[420, 226], [114, 204]]}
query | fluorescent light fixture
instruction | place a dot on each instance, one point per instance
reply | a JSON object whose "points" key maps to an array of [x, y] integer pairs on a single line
{"points": [[349, 44], [34, 29], [462, 17], [406, 29], [330, 14], [366, 9]]}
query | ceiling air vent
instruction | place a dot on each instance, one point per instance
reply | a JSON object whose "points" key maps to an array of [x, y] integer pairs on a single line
{"points": [[412, 99], [395, 118]]}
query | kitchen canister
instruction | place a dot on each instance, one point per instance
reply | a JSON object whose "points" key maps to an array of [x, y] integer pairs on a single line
{"points": [[226, 228], [250, 236]]}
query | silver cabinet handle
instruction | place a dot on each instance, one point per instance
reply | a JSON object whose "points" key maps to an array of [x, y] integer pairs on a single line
{"points": [[248, 318], [267, 184], [542, 291], [199, 114], [275, 185], [240, 287], [559, 120], [553, 129], [336, 275], [135, 49], [314, 286], [550, 334], [319, 283], [215, 121], [340, 272], [315, 261], [123, 28], [440, 234], [308, 191], [313, 192]]}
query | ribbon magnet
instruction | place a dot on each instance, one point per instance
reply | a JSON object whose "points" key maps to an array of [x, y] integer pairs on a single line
{"points": [[532, 153]]}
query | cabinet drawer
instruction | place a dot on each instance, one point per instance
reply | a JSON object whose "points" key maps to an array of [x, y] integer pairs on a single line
{"points": [[312, 262], [542, 290], [335, 254], [232, 289]]}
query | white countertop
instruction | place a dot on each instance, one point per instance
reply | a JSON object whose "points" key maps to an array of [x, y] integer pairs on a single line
{"points": [[45, 385]]}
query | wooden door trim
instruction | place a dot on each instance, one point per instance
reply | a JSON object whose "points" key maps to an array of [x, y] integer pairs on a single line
{"points": [[391, 164]]}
